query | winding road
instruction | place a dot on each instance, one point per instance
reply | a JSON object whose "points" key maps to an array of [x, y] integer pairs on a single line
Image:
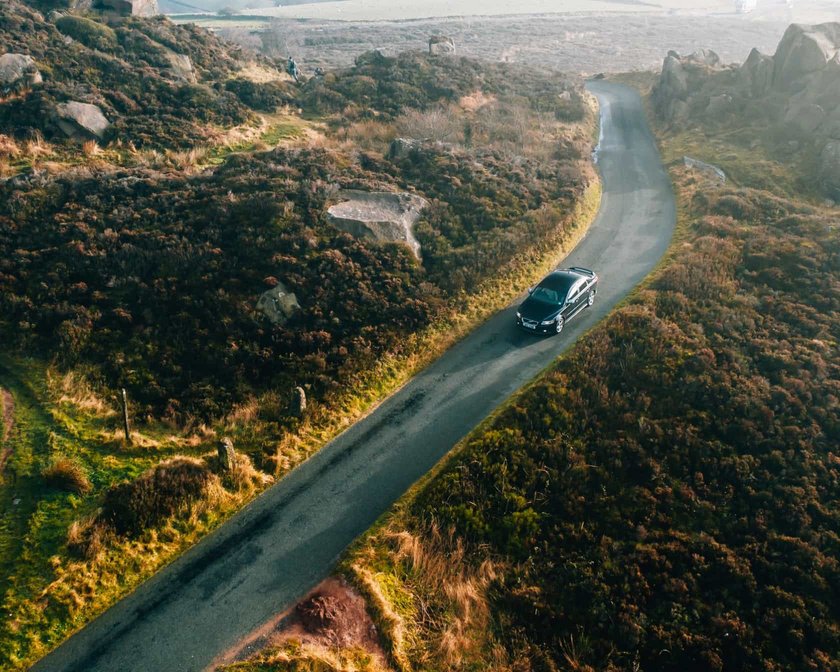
{"points": [[288, 539]]}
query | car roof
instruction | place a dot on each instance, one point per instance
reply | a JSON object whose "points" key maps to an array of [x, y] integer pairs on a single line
{"points": [[560, 280]]}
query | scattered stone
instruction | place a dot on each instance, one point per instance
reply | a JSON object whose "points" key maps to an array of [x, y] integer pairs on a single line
{"points": [[227, 456], [298, 402], [830, 167], [18, 71], [278, 304], [719, 105], [805, 117], [379, 216], [401, 148], [706, 168], [180, 66], [81, 120], [440, 45]]}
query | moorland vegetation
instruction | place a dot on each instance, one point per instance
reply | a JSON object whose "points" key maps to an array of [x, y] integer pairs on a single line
{"points": [[118, 271], [666, 497]]}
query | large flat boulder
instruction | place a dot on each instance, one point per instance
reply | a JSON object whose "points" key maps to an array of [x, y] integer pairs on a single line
{"points": [[81, 120], [379, 216], [128, 7], [18, 71]]}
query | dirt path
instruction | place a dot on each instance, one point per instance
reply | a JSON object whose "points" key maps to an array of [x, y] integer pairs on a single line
{"points": [[8, 409], [332, 615]]}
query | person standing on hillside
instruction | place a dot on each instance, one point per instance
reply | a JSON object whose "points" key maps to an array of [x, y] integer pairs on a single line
{"points": [[292, 69]]}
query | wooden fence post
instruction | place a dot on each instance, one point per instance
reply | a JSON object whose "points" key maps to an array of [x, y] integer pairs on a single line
{"points": [[126, 426]]}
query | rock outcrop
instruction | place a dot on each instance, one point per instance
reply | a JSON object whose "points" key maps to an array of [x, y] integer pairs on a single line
{"points": [[796, 92], [804, 51], [18, 71], [380, 216], [756, 75], [128, 7], [278, 304], [681, 77], [440, 45], [81, 121]]}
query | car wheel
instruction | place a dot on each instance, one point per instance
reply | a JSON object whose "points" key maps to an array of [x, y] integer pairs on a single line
{"points": [[558, 326], [590, 299]]}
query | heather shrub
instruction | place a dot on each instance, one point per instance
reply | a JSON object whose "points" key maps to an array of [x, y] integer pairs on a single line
{"points": [[159, 493], [90, 33]]}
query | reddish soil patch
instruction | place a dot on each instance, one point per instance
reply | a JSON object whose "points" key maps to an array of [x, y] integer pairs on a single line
{"points": [[333, 615], [8, 409]]}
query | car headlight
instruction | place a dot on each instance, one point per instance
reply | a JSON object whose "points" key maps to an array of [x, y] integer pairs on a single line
{"points": [[545, 323], [518, 315]]}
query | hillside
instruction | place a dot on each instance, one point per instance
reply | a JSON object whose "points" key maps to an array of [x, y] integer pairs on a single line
{"points": [[666, 496], [188, 254], [154, 84]]}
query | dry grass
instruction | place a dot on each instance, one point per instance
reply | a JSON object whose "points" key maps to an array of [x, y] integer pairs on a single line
{"points": [[370, 135], [442, 123], [9, 148], [90, 148], [433, 603], [65, 473], [6, 168], [243, 478], [36, 147], [87, 539], [309, 658], [261, 74], [475, 101], [74, 389], [186, 159]]}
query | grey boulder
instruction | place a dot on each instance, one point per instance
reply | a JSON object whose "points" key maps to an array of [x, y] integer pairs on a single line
{"points": [[18, 71], [81, 120]]}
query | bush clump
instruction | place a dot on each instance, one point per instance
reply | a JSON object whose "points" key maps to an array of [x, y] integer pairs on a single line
{"points": [[264, 97], [90, 33], [65, 473], [170, 487]]}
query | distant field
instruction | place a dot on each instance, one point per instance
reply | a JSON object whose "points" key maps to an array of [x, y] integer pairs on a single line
{"points": [[378, 10]]}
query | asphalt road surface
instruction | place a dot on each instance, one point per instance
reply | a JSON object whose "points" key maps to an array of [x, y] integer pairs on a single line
{"points": [[288, 539]]}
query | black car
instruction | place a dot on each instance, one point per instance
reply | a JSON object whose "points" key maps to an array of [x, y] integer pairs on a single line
{"points": [[558, 298]]}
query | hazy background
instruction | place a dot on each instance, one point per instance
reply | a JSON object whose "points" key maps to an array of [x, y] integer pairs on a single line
{"points": [[586, 36]]}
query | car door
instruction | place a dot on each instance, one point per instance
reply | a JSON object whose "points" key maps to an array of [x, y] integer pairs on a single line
{"points": [[577, 297], [571, 301]]}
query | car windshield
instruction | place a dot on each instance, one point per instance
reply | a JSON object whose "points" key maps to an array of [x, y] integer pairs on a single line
{"points": [[548, 295]]}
